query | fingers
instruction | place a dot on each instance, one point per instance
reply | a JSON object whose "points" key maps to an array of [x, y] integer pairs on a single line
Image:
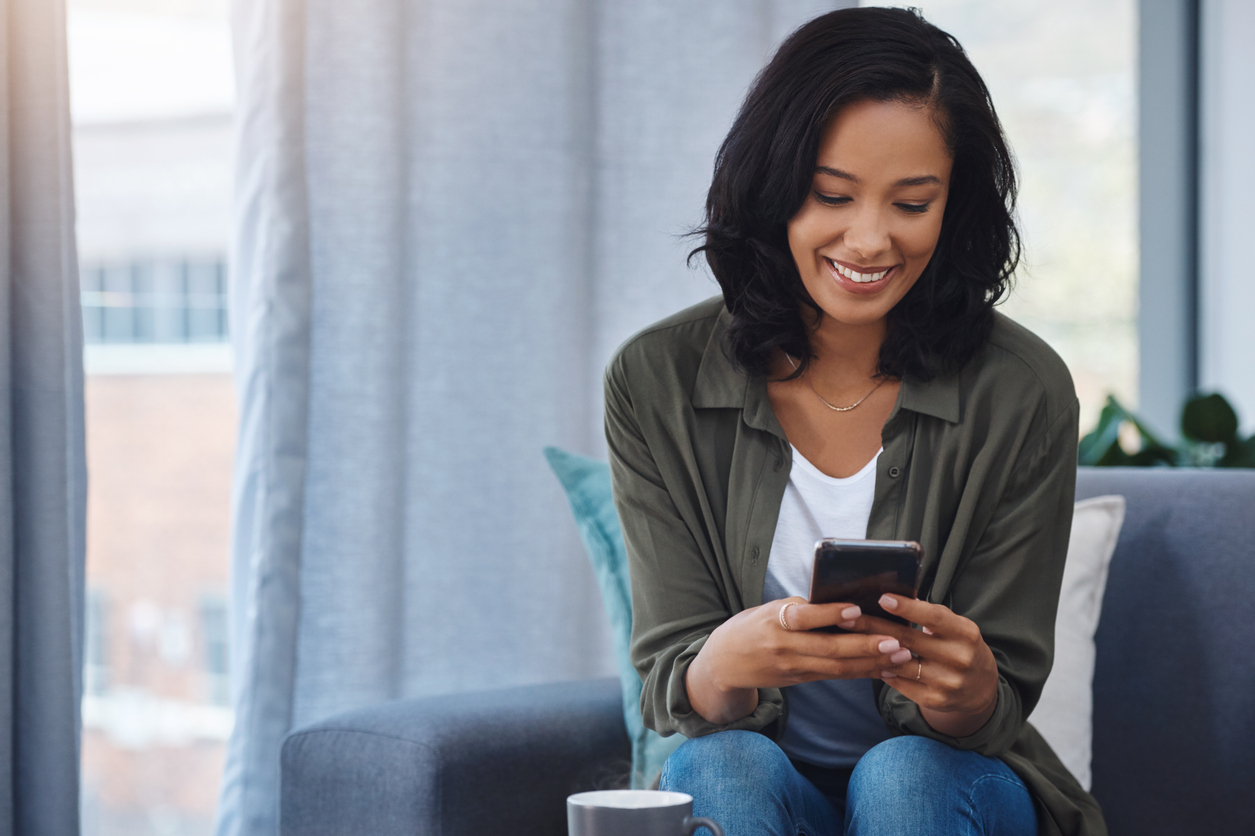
{"points": [[954, 654], [801, 616], [825, 668], [923, 674], [959, 679], [881, 627], [803, 656], [850, 646], [920, 643], [935, 618], [946, 708], [805, 668], [953, 639]]}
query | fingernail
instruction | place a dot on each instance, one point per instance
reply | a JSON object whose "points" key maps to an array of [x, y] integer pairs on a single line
{"points": [[888, 675], [850, 613], [888, 602], [900, 657], [846, 625], [889, 646]]}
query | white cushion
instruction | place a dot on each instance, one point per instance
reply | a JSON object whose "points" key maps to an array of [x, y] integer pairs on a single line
{"points": [[1064, 715]]}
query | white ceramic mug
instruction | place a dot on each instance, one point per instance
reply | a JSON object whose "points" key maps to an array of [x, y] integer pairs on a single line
{"points": [[633, 813]]}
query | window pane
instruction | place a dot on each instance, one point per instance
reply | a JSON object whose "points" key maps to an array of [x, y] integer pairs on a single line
{"points": [[151, 95], [1063, 78]]}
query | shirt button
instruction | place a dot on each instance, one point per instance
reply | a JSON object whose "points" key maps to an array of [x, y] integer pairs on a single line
{"points": [[895, 471]]}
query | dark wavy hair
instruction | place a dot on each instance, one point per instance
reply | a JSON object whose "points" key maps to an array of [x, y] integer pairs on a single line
{"points": [[764, 170]]}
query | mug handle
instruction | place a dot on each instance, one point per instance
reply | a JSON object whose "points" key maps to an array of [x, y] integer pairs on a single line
{"points": [[691, 824]]}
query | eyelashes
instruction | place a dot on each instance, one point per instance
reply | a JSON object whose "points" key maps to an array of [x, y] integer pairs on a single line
{"points": [[909, 208]]}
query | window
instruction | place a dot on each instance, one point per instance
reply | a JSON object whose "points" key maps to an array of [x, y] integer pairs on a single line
{"points": [[1063, 78], [151, 95], [95, 657], [155, 302], [213, 631]]}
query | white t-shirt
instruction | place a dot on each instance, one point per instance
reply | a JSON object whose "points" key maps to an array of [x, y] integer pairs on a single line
{"points": [[832, 722]]}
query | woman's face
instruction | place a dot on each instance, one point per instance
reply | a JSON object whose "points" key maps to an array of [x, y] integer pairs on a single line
{"points": [[871, 221]]}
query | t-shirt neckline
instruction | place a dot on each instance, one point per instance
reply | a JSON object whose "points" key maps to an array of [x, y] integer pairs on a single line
{"points": [[809, 469]]}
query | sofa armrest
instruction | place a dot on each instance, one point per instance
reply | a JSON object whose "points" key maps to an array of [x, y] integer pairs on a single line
{"points": [[456, 765]]}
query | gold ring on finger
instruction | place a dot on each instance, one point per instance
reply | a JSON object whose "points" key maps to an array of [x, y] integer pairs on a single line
{"points": [[783, 621], [919, 671]]}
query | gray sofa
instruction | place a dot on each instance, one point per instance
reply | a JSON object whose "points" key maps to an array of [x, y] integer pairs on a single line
{"points": [[1174, 702]]}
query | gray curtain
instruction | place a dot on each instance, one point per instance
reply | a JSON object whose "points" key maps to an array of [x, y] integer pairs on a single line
{"points": [[42, 462], [449, 213]]}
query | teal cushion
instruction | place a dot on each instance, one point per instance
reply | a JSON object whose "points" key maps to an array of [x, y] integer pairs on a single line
{"points": [[587, 485]]}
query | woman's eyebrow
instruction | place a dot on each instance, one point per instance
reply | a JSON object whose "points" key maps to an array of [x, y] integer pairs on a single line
{"points": [[836, 172], [923, 180]]}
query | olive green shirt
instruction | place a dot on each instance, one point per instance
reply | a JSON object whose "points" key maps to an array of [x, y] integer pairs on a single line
{"points": [[979, 467]]}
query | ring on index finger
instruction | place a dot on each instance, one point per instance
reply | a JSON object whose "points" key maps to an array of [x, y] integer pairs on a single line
{"points": [[783, 621]]}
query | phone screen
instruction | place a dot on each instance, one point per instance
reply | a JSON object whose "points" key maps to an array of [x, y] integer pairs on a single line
{"points": [[860, 571]]}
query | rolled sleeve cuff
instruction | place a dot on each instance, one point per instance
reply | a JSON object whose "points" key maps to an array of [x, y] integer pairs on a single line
{"points": [[991, 740], [681, 718]]}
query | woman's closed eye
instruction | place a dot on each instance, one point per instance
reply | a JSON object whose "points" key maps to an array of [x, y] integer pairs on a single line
{"points": [[832, 200], [841, 200]]}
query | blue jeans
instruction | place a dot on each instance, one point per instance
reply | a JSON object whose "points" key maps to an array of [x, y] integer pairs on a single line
{"points": [[906, 786]]}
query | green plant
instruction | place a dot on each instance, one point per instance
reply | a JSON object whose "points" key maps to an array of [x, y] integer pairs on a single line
{"points": [[1209, 429]]}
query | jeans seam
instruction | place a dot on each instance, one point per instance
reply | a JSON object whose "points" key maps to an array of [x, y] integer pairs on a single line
{"points": [[975, 809]]}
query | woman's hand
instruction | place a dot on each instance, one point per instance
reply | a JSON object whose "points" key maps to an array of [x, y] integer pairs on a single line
{"points": [[753, 650], [954, 677]]}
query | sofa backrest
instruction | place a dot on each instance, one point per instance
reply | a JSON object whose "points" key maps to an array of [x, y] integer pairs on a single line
{"points": [[1174, 684]]}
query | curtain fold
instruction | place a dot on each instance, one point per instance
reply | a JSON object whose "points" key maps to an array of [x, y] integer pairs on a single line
{"points": [[42, 455], [448, 214]]}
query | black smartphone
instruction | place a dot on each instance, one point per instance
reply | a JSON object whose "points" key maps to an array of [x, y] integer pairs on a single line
{"points": [[860, 571]]}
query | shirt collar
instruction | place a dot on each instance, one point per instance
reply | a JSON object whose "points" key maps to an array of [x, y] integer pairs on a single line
{"points": [[720, 384], [938, 397]]}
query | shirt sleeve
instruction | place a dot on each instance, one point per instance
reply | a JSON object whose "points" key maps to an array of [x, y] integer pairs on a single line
{"points": [[675, 574], [1009, 585]]}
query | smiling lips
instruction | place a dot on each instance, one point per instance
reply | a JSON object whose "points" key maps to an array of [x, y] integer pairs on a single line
{"points": [[868, 277]]}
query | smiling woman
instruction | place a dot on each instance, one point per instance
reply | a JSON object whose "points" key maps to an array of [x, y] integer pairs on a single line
{"points": [[861, 240], [860, 226], [782, 163], [866, 233]]}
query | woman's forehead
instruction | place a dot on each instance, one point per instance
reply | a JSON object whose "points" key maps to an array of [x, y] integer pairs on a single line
{"points": [[892, 142]]}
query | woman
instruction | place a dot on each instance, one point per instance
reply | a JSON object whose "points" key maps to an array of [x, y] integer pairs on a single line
{"points": [[852, 381]]}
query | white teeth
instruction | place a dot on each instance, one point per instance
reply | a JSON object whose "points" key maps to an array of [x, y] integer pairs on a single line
{"points": [[861, 278]]}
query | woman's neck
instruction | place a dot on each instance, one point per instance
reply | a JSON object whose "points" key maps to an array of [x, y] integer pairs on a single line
{"points": [[845, 354]]}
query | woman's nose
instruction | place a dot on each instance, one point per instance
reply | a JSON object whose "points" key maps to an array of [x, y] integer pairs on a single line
{"points": [[868, 236]]}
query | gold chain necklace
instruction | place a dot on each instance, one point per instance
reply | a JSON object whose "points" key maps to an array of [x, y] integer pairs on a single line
{"points": [[821, 397]]}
